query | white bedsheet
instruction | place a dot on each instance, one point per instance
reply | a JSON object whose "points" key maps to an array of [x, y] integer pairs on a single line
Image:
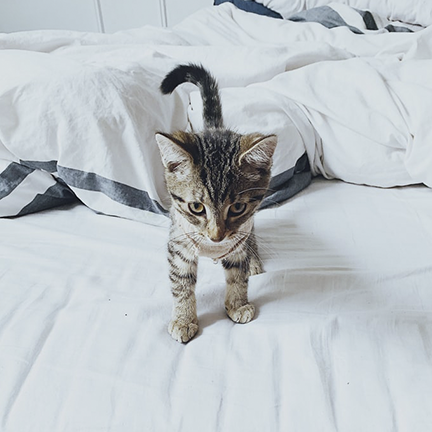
{"points": [[342, 340]]}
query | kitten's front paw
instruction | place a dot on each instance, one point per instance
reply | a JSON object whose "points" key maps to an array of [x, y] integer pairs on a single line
{"points": [[243, 314], [181, 331]]}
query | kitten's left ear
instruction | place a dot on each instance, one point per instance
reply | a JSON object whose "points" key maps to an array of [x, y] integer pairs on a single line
{"points": [[257, 150]]}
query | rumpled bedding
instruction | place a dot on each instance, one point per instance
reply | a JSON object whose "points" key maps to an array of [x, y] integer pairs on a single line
{"points": [[79, 110], [342, 339]]}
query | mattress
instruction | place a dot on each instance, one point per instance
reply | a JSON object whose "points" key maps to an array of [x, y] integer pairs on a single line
{"points": [[342, 340]]}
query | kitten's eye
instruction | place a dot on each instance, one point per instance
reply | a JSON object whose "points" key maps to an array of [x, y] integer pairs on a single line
{"points": [[197, 208], [237, 209]]}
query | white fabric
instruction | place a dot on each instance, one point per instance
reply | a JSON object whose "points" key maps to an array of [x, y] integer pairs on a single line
{"points": [[358, 104], [410, 11], [341, 341]]}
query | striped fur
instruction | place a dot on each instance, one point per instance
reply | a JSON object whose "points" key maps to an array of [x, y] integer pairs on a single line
{"points": [[217, 179]]}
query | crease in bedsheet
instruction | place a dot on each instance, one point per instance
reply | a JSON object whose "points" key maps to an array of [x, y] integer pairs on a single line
{"points": [[32, 364], [382, 362], [320, 341], [408, 273], [278, 378], [426, 340]]}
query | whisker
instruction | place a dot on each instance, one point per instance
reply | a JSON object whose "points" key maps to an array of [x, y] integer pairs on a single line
{"points": [[262, 244]]}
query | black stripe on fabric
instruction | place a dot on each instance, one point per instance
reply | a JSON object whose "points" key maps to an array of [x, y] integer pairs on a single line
{"points": [[288, 183], [398, 29], [119, 192], [251, 6], [11, 177], [325, 16], [56, 195], [280, 179], [49, 166], [295, 185], [368, 19]]}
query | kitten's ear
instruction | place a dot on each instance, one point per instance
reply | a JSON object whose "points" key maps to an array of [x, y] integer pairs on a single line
{"points": [[257, 150], [173, 151]]}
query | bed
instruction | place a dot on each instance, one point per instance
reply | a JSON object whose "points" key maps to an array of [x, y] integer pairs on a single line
{"points": [[342, 339]]}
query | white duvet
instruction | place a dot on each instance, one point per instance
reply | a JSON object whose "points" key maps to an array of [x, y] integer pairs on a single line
{"points": [[359, 105]]}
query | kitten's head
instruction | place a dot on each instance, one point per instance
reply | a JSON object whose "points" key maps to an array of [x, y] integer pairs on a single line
{"points": [[217, 180]]}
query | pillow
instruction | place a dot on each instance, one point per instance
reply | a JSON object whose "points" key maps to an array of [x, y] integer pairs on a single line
{"points": [[85, 127], [413, 12]]}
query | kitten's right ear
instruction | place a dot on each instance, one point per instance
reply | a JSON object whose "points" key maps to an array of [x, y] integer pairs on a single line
{"points": [[173, 152], [257, 150]]}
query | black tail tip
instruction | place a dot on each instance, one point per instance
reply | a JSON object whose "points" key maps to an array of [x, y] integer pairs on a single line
{"points": [[183, 73], [166, 86]]}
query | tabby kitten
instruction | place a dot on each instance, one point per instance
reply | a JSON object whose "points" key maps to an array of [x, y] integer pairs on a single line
{"points": [[217, 179]]}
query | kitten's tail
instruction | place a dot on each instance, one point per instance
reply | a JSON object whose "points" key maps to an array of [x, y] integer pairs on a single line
{"points": [[198, 75]]}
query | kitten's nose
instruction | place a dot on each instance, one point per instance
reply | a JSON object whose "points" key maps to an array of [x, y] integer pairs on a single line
{"points": [[217, 234], [216, 237], [216, 231]]}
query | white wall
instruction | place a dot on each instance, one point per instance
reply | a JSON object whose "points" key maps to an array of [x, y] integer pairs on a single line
{"points": [[16, 15], [93, 15], [177, 10]]}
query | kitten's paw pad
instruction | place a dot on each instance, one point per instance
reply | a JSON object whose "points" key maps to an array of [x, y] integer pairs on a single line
{"points": [[182, 332], [243, 314]]}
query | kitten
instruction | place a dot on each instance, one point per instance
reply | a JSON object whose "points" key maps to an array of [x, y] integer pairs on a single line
{"points": [[217, 179]]}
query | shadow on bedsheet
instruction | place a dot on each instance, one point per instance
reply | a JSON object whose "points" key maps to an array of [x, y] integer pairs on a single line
{"points": [[307, 273], [304, 277]]}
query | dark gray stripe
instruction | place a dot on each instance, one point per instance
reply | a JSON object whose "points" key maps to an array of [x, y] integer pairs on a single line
{"points": [[11, 177], [296, 184], [49, 166], [398, 29], [278, 180], [368, 19], [119, 192], [251, 6], [324, 15], [287, 184], [55, 196]]}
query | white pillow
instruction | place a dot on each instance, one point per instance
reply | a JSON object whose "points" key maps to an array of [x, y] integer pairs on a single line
{"points": [[413, 12], [87, 124]]}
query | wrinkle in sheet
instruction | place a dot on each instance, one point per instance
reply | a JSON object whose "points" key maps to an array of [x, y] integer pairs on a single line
{"points": [[32, 362], [321, 342]]}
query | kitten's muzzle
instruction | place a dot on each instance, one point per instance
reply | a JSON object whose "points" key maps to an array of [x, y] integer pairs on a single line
{"points": [[216, 238], [216, 232]]}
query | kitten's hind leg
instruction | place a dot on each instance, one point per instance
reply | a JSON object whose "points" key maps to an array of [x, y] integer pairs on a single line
{"points": [[236, 299]]}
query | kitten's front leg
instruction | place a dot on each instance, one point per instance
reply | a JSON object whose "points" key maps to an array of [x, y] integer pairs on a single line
{"points": [[237, 269], [183, 266]]}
